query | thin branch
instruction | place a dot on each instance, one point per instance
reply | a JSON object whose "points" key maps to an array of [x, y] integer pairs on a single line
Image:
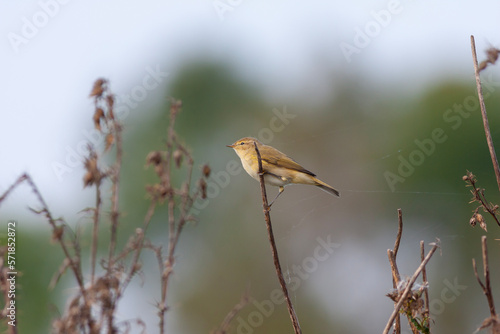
{"points": [[486, 286], [95, 231], [400, 233], [425, 282], [478, 196], [483, 112], [226, 323], [140, 243], [174, 226], [52, 221], [407, 291], [395, 280], [57, 231], [279, 273], [115, 178], [394, 267]]}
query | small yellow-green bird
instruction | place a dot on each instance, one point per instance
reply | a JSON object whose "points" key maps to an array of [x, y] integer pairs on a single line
{"points": [[279, 169]]}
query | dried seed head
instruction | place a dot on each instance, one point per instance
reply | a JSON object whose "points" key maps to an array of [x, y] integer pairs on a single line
{"points": [[465, 177], [482, 223], [154, 158], [482, 65], [98, 115], [203, 187], [473, 221], [98, 88], [113, 283], [93, 173], [110, 139], [57, 233], [137, 267], [175, 107], [178, 158], [206, 170], [492, 54], [110, 101]]}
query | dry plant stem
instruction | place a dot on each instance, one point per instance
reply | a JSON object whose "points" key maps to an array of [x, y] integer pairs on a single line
{"points": [[395, 280], [394, 268], [226, 323], [424, 278], [400, 233], [73, 262], [52, 221], [279, 273], [483, 112], [478, 194], [408, 288], [115, 179], [139, 247], [115, 187], [486, 286], [95, 230], [174, 228]]}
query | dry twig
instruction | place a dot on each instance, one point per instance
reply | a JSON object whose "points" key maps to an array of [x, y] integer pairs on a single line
{"points": [[405, 298], [274, 250], [93, 309], [483, 108], [226, 323], [425, 283], [493, 321], [478, 196], [394, 268]]}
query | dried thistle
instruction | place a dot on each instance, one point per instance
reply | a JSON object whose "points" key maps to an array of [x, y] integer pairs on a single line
{"points": [[478, 197], [92, 309], [203, 188], [154, 158], [110, 101], [98, 115], [110, 139], [177, 155], [206, 171], [98, 88], [93, 174], [57, 233], [491, 58]]}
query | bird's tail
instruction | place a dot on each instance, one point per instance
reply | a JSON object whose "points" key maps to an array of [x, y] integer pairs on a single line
{"points": [[329, 189]]}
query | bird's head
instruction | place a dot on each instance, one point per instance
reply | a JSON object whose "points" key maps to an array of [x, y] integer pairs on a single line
{"points": [[244, 145]]}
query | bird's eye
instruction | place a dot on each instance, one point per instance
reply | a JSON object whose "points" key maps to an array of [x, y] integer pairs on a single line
{"points": [[242, 143]]}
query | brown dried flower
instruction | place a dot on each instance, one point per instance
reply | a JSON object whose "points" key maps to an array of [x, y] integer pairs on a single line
{"points": [[206, 170], [98, 88], [178, 158]]}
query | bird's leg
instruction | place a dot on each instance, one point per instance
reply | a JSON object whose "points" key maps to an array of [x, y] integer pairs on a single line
{"points": [[279, 193]]}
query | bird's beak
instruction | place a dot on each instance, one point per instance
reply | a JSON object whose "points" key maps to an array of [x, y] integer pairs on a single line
{"points": [[232, 145]]}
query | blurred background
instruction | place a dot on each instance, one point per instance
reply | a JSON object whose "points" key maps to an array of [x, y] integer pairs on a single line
{"points": [[377, 98]]}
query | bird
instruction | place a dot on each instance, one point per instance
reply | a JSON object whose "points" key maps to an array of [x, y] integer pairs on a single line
{"points": [[278, 168]]}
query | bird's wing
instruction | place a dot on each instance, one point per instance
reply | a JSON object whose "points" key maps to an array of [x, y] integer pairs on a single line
{"points": [[272, 156]]}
